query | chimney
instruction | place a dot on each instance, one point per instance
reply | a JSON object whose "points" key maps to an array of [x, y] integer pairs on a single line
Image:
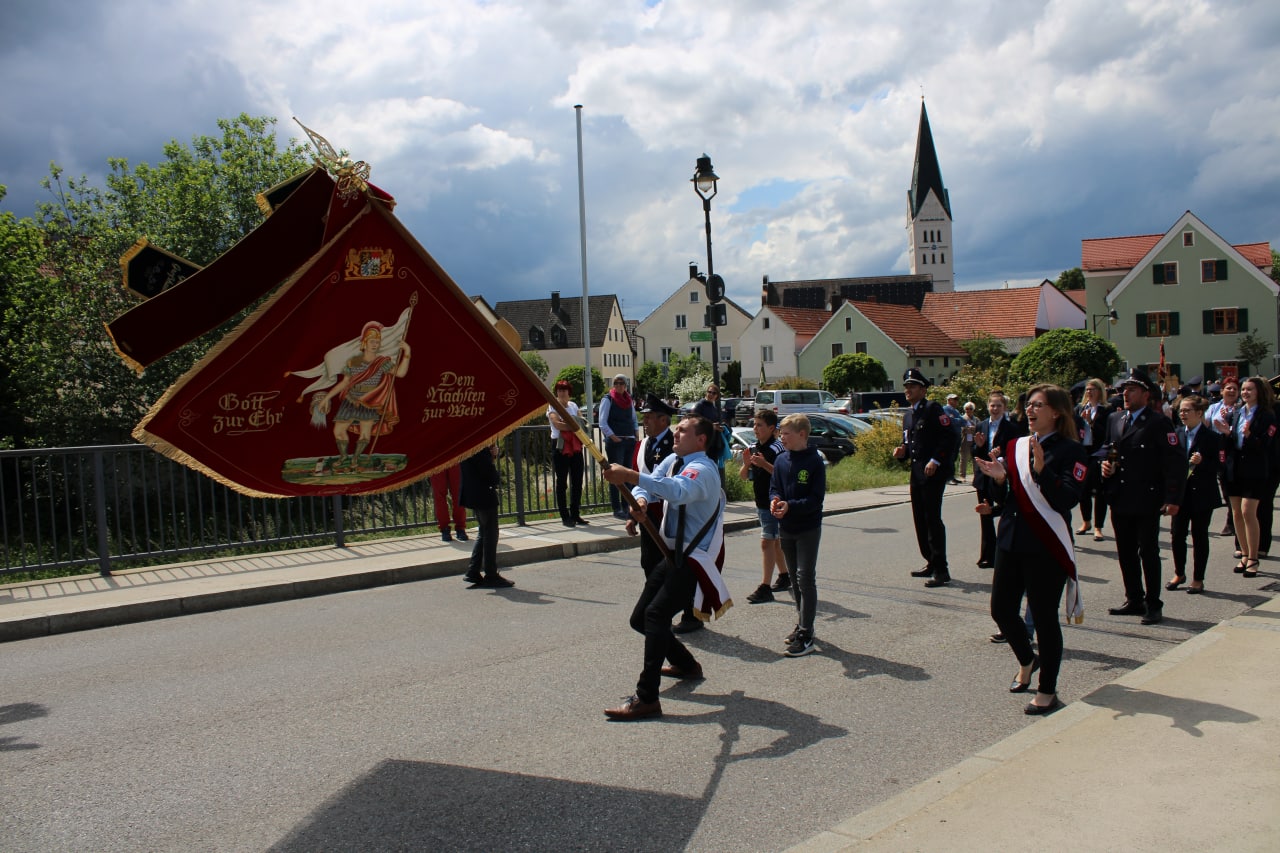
{"points": [[693, 270], [555, 302]]}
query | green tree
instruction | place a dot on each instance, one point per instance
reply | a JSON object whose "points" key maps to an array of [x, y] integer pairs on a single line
{"points": [[975, 384], [197, 202], [682, 367], [536, 363], [1254, 350], [649, 380], [573, 375], [853, 371], [731, 379], [1064, 357], [987, 352], [21, 256], [1072, 279], [1275, 266]]}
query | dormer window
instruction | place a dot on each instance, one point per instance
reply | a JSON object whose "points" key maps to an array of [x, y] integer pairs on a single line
{"points": [[1188, 238]]}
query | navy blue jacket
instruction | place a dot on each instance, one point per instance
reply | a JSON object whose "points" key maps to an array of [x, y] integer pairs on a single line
{"points": [[800, 479]]}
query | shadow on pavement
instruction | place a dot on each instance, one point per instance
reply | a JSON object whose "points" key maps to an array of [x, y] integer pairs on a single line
{"points": [[861, 666], [419, 805], [1104, 663], [1184, 714], [17, 713]]}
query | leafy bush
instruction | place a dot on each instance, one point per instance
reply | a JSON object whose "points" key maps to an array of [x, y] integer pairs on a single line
{"points": [[876, 445]]}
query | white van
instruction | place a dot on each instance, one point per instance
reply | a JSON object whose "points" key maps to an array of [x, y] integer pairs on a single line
{"points": [[784, 403]]}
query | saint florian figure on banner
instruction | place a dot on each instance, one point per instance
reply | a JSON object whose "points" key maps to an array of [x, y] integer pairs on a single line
{"points": [[368, 399]]}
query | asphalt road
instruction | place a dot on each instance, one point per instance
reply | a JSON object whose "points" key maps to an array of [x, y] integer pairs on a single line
{"points": [[431, 717]]}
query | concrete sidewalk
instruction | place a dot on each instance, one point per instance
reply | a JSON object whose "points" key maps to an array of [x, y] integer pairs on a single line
{"points": [[1179, 754]]}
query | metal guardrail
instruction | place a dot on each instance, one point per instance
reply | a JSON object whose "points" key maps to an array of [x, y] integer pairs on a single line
{"points": [[121, 506]]}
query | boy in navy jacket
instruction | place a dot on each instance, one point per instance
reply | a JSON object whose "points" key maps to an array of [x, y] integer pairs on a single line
{"points": [[796, 492]]}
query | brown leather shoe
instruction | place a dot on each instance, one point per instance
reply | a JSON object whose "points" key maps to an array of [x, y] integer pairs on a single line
{"points": [[633, 709], [694, 673]]}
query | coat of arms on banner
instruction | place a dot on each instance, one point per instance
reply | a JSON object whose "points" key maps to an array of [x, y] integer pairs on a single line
{"points": [[370, 263]]}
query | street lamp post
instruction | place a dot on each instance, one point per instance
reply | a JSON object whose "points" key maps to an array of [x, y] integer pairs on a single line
{"points": [[704, 184]]}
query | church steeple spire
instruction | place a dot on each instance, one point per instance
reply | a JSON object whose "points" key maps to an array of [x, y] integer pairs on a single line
{"points": [[929, 213], [927, 174]]}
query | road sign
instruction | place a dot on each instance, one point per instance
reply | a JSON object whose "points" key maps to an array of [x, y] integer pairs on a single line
{"points": [[700, 336]]}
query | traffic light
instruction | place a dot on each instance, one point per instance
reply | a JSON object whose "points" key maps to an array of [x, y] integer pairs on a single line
{"points": [[715, 315]]}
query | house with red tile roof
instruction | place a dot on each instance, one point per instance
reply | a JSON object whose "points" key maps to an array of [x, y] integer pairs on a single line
{"points": [[772, 341], [1014, 315], [898, 336], [1187, 288]]}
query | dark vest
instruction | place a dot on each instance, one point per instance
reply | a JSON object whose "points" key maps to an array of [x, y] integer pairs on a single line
{"points": [[622, 422]]}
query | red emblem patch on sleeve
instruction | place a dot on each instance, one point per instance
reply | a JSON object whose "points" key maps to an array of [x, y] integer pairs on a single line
{"points": [[945, 420], [1173, 439], [1271, 431], [1222, 457], [690, 473], [1079, 472]]}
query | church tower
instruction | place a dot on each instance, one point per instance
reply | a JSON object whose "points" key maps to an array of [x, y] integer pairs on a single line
{"points": [[929, 214]]}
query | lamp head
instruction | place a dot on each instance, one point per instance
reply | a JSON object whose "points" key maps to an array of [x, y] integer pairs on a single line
{"points": [[704, 178]]}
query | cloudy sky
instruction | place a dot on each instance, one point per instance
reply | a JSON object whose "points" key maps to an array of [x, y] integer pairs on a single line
{"points": [[1054, 121]]}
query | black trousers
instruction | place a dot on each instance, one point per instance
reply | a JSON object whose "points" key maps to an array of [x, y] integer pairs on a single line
{"points": [[667, 590], [1138, 547], [926, 512], [1266, 509], [1198, 524], [484, 556], [569, 471], [987, 541], [1093, 500], [1042, 581]]}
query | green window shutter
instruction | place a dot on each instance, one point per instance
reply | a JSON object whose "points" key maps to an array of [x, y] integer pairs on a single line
{"points": [[1142, 325], [1210, 372], [1208, 321], [1175, 369], [1220, 270], [1157, 273], [1242, 320], [1174, 325]]}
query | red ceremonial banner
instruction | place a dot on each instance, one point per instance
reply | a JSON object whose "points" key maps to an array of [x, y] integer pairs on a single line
{"points": [[367, 370]]}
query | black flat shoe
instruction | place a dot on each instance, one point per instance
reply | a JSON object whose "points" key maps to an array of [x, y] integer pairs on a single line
{"points": [[1195, 590], [1034, 710], [1175, 583], [1023, 686]]}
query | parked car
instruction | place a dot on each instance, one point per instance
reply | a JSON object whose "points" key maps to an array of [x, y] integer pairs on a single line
{"points": [[842, 405], [743, 438], [792, 401], [729, 407], [832, 435]]}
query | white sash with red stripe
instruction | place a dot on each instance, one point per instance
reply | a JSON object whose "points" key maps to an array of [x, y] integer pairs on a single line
{"points": [[1046, 523], [711, 598]]}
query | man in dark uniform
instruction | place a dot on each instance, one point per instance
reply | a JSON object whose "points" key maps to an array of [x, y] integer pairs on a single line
{"points": [[1144, 480], [989, 441], [929, 443], [655, 447]]}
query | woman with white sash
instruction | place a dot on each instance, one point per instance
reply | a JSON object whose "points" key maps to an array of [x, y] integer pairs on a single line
{"points": [[1045, 473]]}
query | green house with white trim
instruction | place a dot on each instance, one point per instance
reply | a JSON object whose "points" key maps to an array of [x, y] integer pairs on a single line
{"points": [[1187, 287]]}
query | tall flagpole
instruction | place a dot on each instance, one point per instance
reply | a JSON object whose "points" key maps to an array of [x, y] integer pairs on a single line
{"points": [[586, 297]]}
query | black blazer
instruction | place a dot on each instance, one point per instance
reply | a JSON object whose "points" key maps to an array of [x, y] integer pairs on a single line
{"points": [[479, 481], [1061, 481], [1151, 469], [1251, 462], [1202, 493], [930, 436], [1005, 433]]}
